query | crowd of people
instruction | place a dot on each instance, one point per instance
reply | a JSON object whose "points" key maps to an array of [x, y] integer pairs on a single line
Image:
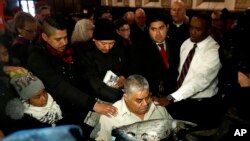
{"points": [[163, 67]]}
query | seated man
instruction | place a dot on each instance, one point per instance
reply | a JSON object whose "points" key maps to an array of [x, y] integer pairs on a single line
{"points": [[135, 106]]}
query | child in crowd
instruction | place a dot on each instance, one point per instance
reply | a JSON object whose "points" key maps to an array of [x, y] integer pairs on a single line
{"points": [[35, 108]]}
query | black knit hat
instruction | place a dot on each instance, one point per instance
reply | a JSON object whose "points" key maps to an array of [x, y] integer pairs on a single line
{"points": [[104, 30]]}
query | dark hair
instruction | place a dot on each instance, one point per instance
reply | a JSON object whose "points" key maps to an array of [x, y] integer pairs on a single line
{"points": [[39, 6], [51, 23], [156, 17], [206, 17], [120, 22]]}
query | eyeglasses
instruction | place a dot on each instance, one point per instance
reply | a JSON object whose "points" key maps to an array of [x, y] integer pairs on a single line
{"points": [[30, 31]]}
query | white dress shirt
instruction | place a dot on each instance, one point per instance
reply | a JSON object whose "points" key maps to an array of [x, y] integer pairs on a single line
{"points": [[126, 117], [202, 77], [159, 48]]}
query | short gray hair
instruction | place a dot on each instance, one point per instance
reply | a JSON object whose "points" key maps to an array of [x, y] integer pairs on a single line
{"points": [[135, 83]]}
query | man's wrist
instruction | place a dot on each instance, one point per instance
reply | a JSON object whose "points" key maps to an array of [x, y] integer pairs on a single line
{"points": [[170, 98]]}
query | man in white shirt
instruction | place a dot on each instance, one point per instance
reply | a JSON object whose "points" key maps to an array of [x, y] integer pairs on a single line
{"points": [[135, 106], [195, 99]]}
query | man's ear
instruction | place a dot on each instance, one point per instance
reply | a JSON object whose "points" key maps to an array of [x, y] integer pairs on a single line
{"points": [[44, 36], [117, 31], [19, 30], [167, 26], [125, 96]]}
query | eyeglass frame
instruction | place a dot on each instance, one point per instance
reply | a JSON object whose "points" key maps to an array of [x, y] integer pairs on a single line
{"points": [[30, 31]]}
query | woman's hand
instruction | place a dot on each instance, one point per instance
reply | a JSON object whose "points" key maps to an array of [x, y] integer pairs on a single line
{"points": [[105, 109]]}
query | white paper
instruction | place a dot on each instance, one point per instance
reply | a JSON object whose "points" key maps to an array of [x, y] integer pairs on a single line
{"points": [[110, 78]]}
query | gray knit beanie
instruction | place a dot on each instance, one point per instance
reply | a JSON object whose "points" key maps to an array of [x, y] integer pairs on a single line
{"points": [[27, 85]]}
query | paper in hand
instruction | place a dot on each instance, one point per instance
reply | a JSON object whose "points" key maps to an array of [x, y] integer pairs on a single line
{"points": [[110, 78]]}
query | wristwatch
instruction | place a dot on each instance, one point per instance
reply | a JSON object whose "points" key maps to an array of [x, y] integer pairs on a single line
{"points": [[170, 98]]}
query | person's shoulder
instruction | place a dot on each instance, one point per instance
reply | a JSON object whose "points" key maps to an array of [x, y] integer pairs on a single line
{"points": [[185, 26], [82, 44], [37, 49], [211, 43], [160, 108], [187, 41], [171, 40], [163, 112], [146, 41], [118, 104], [20, 41]]}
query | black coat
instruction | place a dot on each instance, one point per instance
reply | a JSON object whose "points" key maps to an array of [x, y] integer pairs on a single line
{"points": [[6, 95], [147, 61], [93, 65], [137, 34], [20, 49], [180, 34], [61, 80]]}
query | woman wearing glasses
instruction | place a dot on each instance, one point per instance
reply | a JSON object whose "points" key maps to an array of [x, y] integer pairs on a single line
{"points": [[26, 28]]}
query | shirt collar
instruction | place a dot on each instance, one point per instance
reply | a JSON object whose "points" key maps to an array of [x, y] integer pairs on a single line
{"points": [[203, 42], [124, 109], [164, 43], [177, 24]]}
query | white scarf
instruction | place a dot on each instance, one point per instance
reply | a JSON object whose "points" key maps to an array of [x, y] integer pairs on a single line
{"points": [[50, 113]]}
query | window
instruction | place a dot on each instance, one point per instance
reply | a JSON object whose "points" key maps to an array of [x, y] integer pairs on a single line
{"points": [[28, 6]]}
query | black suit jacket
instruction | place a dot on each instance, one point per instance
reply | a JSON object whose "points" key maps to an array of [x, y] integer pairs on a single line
{"points": [[93, 66], [137, 34], [180, 34], [147, 61]]}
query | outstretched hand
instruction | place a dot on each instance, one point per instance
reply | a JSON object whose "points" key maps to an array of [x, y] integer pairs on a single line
{"points": [[105, 109], [162, 101]]}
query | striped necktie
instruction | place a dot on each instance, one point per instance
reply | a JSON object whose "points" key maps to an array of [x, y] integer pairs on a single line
{"points": [[186, 66]]}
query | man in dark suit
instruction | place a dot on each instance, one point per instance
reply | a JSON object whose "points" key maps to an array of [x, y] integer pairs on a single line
{"points": [[157, 57], [138, 28], [178, 27]]}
